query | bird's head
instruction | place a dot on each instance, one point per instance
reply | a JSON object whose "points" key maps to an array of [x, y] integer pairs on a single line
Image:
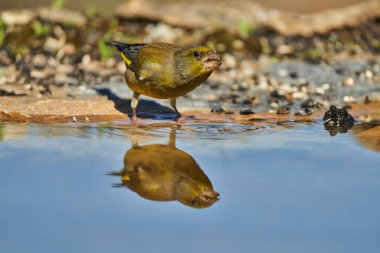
{"points": [[197, 61]]}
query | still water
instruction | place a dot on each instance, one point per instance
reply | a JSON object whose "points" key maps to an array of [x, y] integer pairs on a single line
{"points": [[104, 188]]}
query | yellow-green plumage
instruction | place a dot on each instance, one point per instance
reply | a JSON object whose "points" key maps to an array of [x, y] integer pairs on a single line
{"points": [[163, 70]]}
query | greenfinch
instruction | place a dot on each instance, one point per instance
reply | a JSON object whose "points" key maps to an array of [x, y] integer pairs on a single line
{"points": [[165, 173], [165, 71]]}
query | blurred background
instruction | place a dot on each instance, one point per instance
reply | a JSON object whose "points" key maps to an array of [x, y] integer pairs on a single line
{"points": [[107, 7]]}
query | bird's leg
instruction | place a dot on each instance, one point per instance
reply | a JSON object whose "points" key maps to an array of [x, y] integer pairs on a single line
{"points": [[179, 117], [134, 102]]}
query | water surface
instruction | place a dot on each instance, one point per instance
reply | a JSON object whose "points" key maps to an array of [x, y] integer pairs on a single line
{"points": [[283, 188]]}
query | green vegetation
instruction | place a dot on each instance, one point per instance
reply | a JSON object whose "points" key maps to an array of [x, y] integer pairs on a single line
{"points": [[41, 30], [265, 46], [58, 4], [2, 32], [245, 28], [313, 54], [91, 11], [105, 51]]}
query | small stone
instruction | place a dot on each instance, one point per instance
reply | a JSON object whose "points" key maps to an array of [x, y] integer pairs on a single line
{"points": [[273, 105], [310, 103], [285, 88], [17, 17], [39, 61], [367, 100], [299, 95], [304, 112], [263, 82], [52, 45], [293, 75], [325, 86], [38, 74], [349, 99], [87, 60], [247, 112], [234, 87], [283, 110], [69, 49], [238, 44], [284, 49], [283, 72], [368, 74], [221, 47], [348, 82], [320, 91], [247, 68], [222, 109]]}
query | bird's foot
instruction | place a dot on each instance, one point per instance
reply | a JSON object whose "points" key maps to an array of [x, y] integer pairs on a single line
{"points": [[135, 121], [180, 120]]}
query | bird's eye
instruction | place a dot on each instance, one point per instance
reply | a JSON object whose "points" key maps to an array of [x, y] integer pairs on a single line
{"points": [[197, 55]]}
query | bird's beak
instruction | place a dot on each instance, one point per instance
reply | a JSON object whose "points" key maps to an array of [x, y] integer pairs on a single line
{"points": [[212, 60]]}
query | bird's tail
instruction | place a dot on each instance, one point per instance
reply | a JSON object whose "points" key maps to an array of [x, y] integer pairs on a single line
{"points": [[129, 52], [118, 45]]}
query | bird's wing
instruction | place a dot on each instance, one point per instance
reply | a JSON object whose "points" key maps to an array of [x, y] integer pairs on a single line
{"points": [[156, 61]]}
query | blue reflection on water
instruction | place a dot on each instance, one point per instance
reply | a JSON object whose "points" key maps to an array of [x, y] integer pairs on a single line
{"points": [[294, 190]]}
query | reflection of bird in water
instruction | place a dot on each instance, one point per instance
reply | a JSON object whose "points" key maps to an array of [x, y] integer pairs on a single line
{"points": [[165, 173]]}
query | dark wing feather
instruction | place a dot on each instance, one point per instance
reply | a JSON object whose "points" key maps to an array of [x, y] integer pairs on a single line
{"points": [[130, 51]]}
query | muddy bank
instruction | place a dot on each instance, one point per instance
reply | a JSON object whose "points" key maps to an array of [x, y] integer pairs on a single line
{"points": [[100, 109], [56, 55]]}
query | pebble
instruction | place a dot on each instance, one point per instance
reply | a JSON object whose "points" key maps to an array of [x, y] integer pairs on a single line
{"points": [[349, 99], [52, 45], [283, 72], [222, 109], [263, 82], [247, 112], [37, 74], [238, 44], [283, 110], [247, 68], [299, 95], [284, 49], [348, 82], [87, 60], [368, 74], [39, 61], [304, 112], [17, 17]]}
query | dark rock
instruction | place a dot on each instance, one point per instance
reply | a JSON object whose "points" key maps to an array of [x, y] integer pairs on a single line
{"points": [[247, 112], [338, 120], [293, 75], [337, 116], [367, 100]]}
